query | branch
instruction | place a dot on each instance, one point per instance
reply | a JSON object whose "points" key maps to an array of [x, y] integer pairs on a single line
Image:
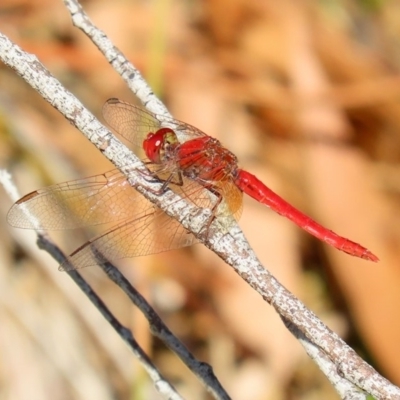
{"points": [[233, 247], [118, 61], [343, 386]]}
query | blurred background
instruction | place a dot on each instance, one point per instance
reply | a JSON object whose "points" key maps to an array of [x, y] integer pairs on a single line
{"points": [[306, 94]]}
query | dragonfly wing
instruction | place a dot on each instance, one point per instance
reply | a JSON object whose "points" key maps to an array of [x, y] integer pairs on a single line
{"points": [[129, 121], [84, 202], [153, 232], [233, 197], [134, 123], [199, 196]]}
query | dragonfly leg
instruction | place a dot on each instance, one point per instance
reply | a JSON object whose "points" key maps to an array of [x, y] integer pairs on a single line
{"points": [[154, 176], [150, 175], [214, 190]]}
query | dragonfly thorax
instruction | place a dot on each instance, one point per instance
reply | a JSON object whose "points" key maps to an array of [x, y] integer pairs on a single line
{"points": [[205, 159]]}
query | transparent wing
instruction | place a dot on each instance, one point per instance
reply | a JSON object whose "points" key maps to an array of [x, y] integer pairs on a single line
{"points": [[232, 197], [91, 201], [141, 227], [152, 231], [149, 233], [134, 123]]}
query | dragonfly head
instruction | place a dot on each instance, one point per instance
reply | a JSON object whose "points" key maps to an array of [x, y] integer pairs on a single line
{"points": [[157, 144]]}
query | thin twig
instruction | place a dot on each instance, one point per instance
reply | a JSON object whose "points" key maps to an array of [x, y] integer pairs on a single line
{"points": [[160, 383], [343, 386], [118, 61], [158, 328]]}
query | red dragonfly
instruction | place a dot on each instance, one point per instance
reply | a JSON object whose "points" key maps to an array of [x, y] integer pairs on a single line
{"points": [[188, 162]]}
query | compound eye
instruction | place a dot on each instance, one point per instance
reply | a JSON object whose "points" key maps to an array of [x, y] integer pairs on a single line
{"points": [[152, 146], [156, 143]]}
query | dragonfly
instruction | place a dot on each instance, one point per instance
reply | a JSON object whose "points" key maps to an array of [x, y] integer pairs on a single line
{"points": [[186, 160]]}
